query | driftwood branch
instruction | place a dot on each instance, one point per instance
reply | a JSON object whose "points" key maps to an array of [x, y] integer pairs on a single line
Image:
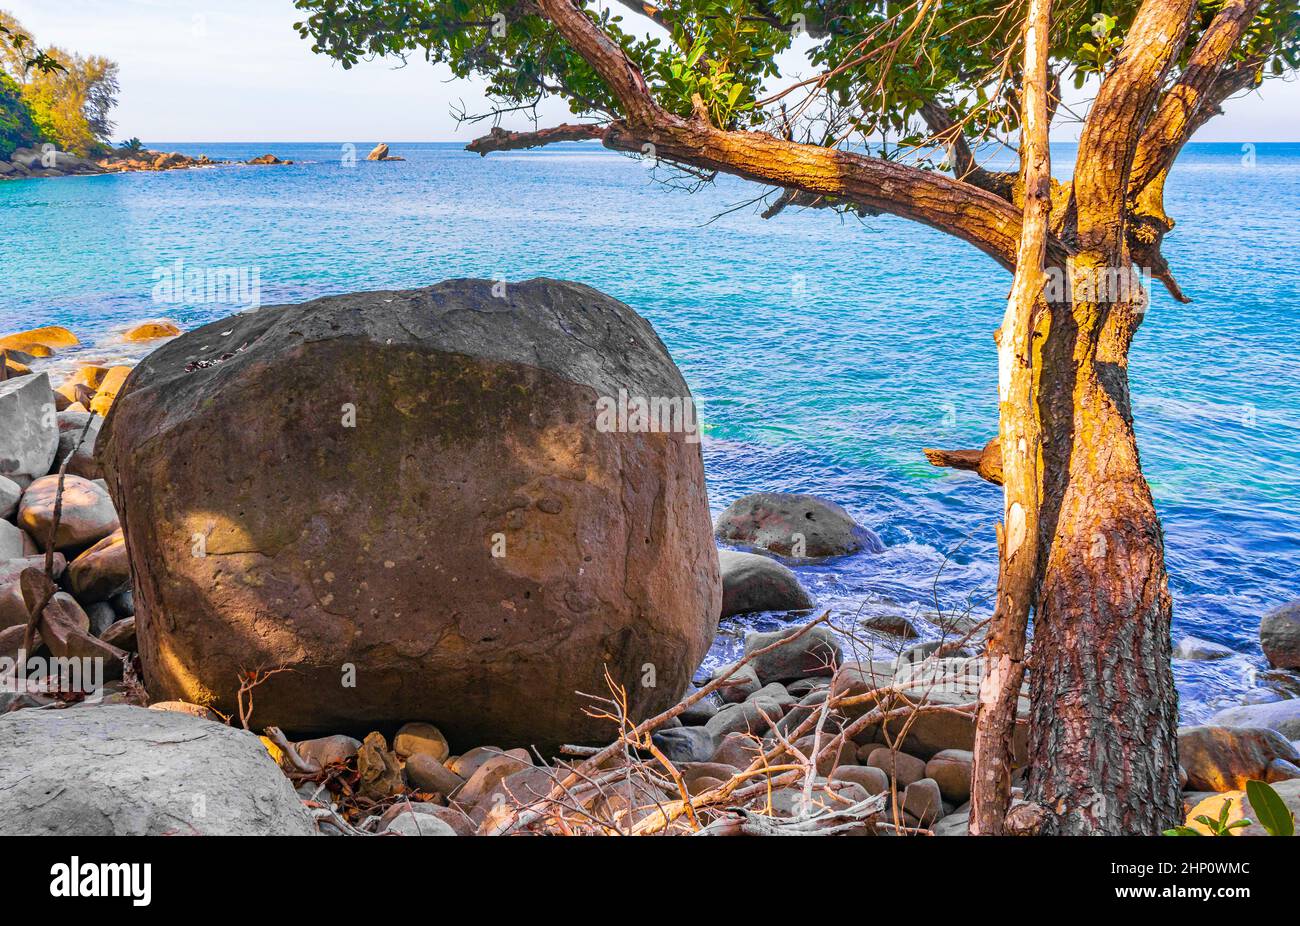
{"points": [[986, 462]]}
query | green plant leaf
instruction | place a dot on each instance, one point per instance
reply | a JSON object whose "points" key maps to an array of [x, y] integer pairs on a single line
{"points": [[1272, 811]]}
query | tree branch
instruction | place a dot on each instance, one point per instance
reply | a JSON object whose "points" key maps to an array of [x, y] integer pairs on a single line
{"points": [[498, 139], [1178, 114]]}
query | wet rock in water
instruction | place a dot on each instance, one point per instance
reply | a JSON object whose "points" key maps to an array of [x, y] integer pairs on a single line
{"points": [[102, 571], [1282, 716], [951, 771], [77, 443], [87, 516], [1201, 650], [425, 772], [798, 527], [895, 625], [51, 336], [378, 153], [152, 331], [816, 653], [1221, 758], [267, 159], [1279, 635], [409, 823], [29, 434], [685, 744], [485, 410], [127, 771], [326, 750], [121, 633], [10, 492], [424, 738], [751, 582]]}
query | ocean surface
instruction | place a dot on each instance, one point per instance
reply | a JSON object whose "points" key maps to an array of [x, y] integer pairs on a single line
{"points": [[824, 352]]}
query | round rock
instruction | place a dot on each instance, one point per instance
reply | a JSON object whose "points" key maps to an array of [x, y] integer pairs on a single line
{"points": [[798, 527]]}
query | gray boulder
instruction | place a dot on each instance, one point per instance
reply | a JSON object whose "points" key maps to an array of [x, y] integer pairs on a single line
{"points": [[816, 653], [409, 823], [1194, 648], [29, 434], [130, 771], [751, 582], [1282, 716], [797, 527], [1279, 635]]}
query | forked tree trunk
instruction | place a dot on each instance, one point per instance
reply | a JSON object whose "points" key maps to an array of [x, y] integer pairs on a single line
{"points": [[1103, 736]]}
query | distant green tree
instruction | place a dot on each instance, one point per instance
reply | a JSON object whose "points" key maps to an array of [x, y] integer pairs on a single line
{"points": [[66, 98]]}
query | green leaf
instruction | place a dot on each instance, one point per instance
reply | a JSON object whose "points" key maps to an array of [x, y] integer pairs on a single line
{"points": [[1272, 811], [1181, 831]]}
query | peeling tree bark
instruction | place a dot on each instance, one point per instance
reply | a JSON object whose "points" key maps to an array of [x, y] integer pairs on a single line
{"points": [[1019, 440]]}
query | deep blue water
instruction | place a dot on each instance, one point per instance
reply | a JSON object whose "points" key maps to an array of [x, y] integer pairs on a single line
{"points": [[825, 353]]}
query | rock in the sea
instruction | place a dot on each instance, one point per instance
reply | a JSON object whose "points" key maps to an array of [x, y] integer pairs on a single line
{"points": [[1201, 650], [894, 625], [152, 331], [751, 582], [29, 433], [52, 336], [426, 486], [128, 771], [87, 515], [816, 653], [1224, 758], [798, 527], [1279, 635], [1282, 716], [267, 159], [102, 571]]}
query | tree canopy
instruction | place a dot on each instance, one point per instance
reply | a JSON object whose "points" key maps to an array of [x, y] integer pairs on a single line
{"points": [[52, 95]]}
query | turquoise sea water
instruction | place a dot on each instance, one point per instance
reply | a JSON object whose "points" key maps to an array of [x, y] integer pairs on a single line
{"points": [[824, 353]]}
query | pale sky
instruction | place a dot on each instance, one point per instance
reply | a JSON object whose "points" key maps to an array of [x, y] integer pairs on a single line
{"points": [[235, 70]]}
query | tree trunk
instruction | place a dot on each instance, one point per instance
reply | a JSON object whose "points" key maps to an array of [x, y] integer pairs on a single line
{"points": [[1019, 440], [1103, 736]]}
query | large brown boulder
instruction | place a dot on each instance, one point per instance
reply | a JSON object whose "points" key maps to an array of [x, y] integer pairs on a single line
{"points": [[413, 487]]}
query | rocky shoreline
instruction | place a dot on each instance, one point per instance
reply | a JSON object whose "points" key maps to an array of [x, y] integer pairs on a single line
{"points": [[34, 163], [844, 727]]}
